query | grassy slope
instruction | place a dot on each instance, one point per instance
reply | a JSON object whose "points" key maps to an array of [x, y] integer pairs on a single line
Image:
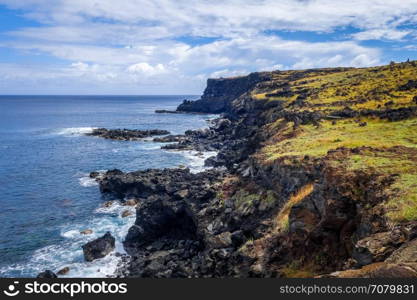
{"points": [[392, 145]]}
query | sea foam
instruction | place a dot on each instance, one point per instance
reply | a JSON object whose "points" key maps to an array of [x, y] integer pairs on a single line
{"points": [[86, 181], [68, 253], [75, 131], [195, 159]]}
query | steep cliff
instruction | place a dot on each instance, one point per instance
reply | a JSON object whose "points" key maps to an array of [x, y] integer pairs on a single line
{"points": [[220, 92]]}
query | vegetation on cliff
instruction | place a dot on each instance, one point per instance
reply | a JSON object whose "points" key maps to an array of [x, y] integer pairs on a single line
{"points": [[324, 165], [371, 96], [353, 133], [327, 90]]}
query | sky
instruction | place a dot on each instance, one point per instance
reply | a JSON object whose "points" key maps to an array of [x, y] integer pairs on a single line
{"points": [[173, 46]]}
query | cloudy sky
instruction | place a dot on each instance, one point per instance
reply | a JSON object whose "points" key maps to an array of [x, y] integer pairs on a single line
{"points": [[172, 47]]}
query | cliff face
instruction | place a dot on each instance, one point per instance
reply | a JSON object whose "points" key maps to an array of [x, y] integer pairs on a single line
{"points": [[219, 93], [320, 181]]}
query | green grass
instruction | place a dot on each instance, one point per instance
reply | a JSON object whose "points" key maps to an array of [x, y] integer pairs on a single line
{"points": [[363, 88], [395, 145], [402, 205], [316, 142]]}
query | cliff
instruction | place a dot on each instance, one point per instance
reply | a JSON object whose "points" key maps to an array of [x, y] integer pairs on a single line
{"points": [[219, 93], [320, 180]]}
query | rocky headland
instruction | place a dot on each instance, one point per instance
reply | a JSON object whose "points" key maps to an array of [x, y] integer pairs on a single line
{"points": [[315, 176]]}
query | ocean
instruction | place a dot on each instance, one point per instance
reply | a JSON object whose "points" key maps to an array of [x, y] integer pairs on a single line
{"points": [[46, 196]]}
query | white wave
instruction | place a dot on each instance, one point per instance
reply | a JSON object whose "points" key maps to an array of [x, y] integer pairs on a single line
{"points": [[70, 233], [87, 181], [151, 146], [68, 253], [147, 139], [195, 159], [114, 208], [75, 131]]}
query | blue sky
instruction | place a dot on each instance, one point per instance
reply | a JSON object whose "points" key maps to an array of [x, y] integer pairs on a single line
{"points": [[172, 47]]}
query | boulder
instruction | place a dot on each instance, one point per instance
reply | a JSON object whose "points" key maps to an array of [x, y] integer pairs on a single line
{"points": [[182, 193], [63, 271], [126, 213], [47, 274], [377, 247], [406, 253], [222, 240], [160, 218], [108, 204], [221, 124], [237, 238], [130, 202], [94, 174], [99, 248]]}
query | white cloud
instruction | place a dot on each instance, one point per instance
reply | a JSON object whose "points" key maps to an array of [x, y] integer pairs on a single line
{"points": [[146, 43], [231, 56], [146, 69], [381, 34], [80, 66], [163, 18]]}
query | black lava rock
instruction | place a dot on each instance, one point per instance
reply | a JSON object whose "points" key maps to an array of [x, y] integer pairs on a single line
{"points": [[47, 274], [99, 248]]}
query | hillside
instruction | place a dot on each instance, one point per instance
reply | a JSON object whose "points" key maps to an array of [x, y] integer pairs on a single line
{"points": [[371, 110], [340, 146], [317, 177], [358, 126]]}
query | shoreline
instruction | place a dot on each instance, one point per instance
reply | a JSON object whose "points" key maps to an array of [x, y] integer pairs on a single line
{"points": [[250, 217], [146, 191], [114, 259], [286, 196]]}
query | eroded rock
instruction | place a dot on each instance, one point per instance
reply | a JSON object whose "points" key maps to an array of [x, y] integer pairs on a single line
{"points": [[63, 271], [47, 274], [126, 213], [99, 248], [378, 247]]}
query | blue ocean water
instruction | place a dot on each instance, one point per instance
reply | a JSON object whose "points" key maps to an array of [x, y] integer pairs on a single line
{"points": [[46, 196]]}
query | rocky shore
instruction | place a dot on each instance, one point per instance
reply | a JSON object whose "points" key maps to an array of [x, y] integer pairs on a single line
{"points": [[126, 134], [288, 196]]}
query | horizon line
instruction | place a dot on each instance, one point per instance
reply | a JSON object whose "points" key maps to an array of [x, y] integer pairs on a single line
{"points": [[110, 95]]}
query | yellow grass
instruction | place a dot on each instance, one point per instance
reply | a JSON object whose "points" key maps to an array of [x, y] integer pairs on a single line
{"points": [[282, 218]]}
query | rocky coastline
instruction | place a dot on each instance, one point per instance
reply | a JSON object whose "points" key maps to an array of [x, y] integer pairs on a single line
{"points": [[126, 134], [293, 216]]}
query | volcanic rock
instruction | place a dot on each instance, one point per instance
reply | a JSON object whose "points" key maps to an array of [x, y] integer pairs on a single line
{"points": [[126, 134], [46, 274], [99, 248]]}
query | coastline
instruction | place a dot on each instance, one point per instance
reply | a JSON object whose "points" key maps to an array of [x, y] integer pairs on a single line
{"points": [[297, 216], [109, 265], [61, 155], [274, 203]]}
